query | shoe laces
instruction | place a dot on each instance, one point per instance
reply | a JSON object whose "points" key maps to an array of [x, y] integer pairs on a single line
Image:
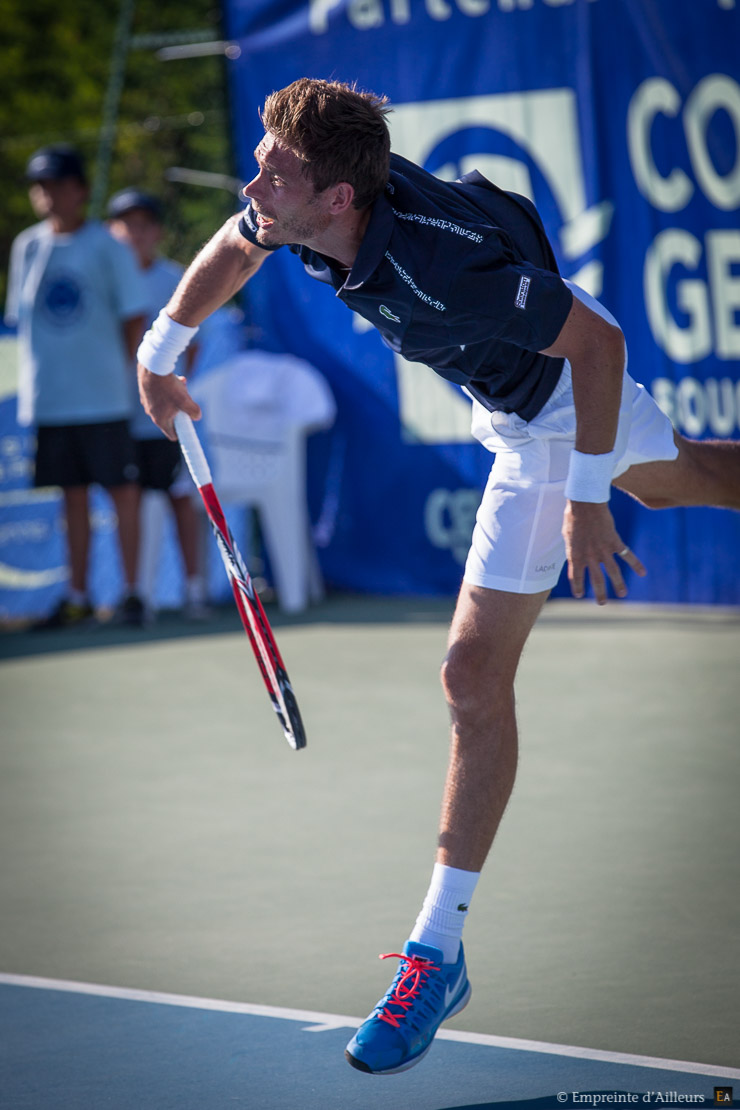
{"points": [[411, 979]]}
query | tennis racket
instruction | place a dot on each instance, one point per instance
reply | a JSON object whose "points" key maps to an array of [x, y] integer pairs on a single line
{"points": [[255, 622]]}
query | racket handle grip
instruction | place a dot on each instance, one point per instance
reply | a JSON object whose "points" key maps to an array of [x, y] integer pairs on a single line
{"points": [[192, 450]]}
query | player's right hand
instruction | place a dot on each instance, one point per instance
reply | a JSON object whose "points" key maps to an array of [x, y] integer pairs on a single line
{"points": [[163, 396]]}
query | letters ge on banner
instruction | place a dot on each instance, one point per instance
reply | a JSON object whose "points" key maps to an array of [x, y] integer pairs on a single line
{"points": [[709, 305]]}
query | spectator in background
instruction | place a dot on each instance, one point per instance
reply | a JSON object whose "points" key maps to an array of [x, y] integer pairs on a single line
{"points": [[136, 218], [78, 299]]}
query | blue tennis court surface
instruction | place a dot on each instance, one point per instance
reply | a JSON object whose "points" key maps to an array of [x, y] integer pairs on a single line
{"points": [[77, 1046]]}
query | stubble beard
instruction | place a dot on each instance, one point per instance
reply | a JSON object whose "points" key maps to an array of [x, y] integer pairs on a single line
{"points": [[292, 229]]}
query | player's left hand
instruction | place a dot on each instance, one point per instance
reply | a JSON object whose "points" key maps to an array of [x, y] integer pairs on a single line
{"points": [[592, 544]]}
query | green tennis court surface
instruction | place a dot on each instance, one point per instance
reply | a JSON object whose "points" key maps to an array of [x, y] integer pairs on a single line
{"points": [[159, 835]]}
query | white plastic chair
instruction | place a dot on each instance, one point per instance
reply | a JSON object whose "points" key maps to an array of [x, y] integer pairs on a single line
{"points": [[154, 508], [258, 409]]}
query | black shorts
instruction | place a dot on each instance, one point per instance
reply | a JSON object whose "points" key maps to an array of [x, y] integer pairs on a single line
{"points": [[80, 454], [159, 462]]}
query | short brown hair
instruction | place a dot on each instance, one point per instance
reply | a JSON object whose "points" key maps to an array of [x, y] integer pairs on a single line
{"points": [[341, 134]]}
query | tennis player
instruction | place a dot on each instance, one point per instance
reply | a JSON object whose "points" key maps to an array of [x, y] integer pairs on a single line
{"points": [[459, 276]]}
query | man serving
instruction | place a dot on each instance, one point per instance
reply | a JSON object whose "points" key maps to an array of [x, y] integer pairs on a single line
{"points": [[460, 276]]}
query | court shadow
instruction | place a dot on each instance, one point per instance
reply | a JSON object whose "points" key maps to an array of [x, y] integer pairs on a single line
{"points": [[592, 1098], [530, 1103], [21, 642]]}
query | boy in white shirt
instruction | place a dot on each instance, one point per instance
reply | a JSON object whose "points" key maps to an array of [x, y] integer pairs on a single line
{"points": [[135, 218], [77, 297]]}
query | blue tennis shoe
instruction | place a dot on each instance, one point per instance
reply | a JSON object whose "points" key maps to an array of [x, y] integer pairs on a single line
{"points": [[401, 1028]]}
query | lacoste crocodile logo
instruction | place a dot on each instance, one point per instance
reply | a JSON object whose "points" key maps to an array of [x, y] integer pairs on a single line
{"points": [[388, 314]]}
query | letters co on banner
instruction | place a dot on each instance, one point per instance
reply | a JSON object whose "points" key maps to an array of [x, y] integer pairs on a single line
{"points": [[622, 123]]}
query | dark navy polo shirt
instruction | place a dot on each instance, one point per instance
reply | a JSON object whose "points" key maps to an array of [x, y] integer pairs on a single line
{"points": [[460, 276]]}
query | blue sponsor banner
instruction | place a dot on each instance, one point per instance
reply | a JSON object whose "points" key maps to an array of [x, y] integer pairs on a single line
{"points": [[621, 119]]}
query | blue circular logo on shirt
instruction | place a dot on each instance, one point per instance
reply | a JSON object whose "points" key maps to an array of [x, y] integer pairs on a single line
{"points": [[62, 299]]}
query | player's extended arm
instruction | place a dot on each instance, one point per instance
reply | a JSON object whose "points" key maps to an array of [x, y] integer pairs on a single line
{"points": [[218, 271], [595, 350]]}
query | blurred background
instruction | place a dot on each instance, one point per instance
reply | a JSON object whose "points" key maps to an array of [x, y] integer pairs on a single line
{"points": [[621, 121]]}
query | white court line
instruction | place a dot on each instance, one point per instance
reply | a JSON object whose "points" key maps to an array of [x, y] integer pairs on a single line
{"points": [[316, 1022]]}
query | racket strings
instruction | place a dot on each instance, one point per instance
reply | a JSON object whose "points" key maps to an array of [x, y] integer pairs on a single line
{"points": [[271, 668]]}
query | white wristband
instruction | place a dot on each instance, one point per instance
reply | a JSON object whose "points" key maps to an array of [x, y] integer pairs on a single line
{"points": [[590, 476], [163, 344]]}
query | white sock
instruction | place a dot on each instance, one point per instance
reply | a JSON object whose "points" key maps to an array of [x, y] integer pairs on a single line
{"points": [[445, 908]]}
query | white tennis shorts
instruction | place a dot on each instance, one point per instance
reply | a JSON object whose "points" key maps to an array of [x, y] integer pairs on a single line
{"points": [[517, 544]]}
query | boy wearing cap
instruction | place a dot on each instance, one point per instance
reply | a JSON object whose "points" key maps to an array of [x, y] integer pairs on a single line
{"points": [[136, 218], [77, 297]]}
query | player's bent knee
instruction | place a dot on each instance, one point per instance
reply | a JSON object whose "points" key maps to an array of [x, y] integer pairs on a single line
{"points": [[472, 682]]}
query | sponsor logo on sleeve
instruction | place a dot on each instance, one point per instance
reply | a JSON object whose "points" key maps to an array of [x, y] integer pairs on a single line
{"points": [[522, 292]]}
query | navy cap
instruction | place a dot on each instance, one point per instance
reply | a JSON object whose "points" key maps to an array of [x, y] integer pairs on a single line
{"points": [[128, 199], [52, 163]]}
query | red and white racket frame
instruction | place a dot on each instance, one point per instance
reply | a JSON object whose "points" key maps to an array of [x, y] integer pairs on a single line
{"points": [[255, 622]]}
